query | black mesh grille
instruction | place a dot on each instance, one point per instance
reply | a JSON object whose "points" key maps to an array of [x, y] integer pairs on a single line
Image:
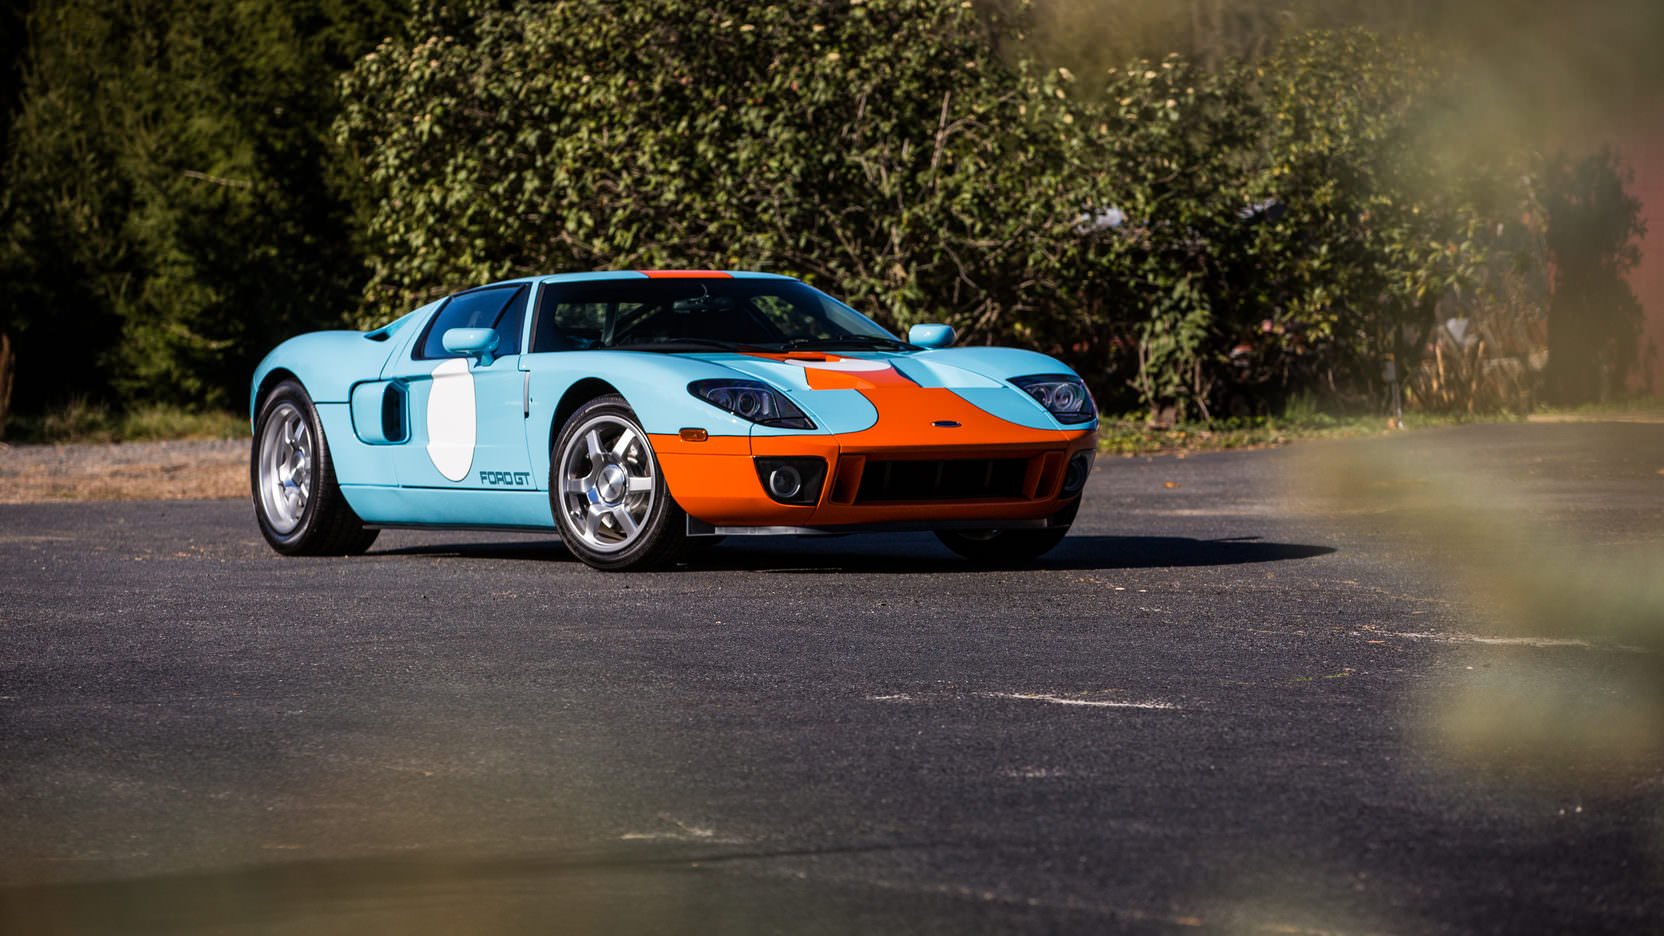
{"points": [[957, 479]]}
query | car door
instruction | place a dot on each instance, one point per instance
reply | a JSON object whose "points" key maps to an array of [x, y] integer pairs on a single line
{"points": [[466, 414]]}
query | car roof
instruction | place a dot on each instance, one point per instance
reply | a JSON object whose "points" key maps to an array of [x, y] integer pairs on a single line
{"points": [[593, 276]]}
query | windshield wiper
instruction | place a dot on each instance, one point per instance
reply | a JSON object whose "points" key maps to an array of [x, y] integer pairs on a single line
{"points": [[679, 344], [844, 341]]}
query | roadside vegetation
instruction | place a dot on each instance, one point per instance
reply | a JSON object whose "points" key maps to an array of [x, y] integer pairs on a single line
{"points": [[1237, 220], [1134, 435], [81, 420]]}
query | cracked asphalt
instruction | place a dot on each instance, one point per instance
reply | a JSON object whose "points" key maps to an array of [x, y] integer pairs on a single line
{"points": [[1212, 708]]}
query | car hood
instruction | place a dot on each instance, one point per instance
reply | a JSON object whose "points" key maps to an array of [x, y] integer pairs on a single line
{"points": [[846, 391]]}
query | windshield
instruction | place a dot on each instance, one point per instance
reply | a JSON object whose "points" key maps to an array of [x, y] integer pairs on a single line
{"points": [[700, 314]]}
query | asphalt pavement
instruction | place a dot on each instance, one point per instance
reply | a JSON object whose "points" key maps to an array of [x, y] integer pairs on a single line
{"points": [[1214, 707]]}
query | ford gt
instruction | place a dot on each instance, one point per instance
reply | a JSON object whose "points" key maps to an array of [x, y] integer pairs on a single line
{"points": [[641, 414]]}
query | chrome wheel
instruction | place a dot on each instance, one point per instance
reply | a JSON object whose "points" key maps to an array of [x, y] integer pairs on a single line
{"points": [[285, 468], [608, 482]]}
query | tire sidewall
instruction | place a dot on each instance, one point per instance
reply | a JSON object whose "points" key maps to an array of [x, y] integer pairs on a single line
{"points": [[1014, 547], [649, 546]]}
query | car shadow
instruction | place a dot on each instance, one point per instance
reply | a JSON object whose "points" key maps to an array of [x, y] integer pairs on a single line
{"points": [[1167, 552], [912, 553], [922, 554], [541, 550]]}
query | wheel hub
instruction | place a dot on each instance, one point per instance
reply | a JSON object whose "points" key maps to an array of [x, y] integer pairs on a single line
{"points": [[607, 483], [612, 484]]}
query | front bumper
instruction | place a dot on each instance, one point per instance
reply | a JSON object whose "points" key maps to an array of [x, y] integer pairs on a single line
{"points": [[872, 482]]}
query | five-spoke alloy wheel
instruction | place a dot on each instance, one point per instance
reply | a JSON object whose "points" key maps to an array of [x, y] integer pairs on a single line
{"points": [[607, 493]]}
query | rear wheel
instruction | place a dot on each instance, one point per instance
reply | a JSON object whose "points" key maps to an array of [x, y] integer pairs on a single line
{"points": [[1010, 547], [296, 499], [609, 497]]}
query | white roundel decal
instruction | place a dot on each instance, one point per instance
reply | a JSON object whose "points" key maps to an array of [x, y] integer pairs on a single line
{"points": [[847, 365], [451, 419]]}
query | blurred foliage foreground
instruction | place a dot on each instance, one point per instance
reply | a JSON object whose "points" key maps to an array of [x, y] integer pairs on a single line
{"points": [[1201, 236], [1588, 723]]}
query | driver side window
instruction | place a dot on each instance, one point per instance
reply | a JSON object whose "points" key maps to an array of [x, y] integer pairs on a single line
{"points": [[502, 308]]}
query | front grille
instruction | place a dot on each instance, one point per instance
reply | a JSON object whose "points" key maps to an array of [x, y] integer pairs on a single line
{"points": [[942, 480]]}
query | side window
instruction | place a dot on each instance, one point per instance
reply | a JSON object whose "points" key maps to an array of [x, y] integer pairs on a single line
{"points": [[502, 308]]}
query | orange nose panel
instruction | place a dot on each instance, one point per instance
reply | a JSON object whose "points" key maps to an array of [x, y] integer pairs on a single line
{"points": [[830, 372], [914, 417]]}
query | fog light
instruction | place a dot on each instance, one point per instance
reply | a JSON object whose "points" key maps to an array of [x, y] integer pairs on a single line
{"points": [[796, 481], [1080, 467], [784, 482]]}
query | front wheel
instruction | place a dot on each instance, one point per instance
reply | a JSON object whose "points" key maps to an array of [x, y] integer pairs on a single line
{"points": [[607, 493], [296, 499], [1009, 547]]}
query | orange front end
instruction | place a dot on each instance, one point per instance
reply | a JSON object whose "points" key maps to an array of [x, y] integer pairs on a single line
{"points": [[931, 457]]}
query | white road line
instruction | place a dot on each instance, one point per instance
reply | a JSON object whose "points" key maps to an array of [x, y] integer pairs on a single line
{"points": [[1539, 642], [1060, 700], [683, 832]]}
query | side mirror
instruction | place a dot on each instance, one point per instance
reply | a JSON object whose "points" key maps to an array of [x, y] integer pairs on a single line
{"points": [[478, 343], [931, 336]]}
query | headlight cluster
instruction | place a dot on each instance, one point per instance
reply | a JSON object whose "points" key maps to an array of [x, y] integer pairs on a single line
{"points": [[751, 400], [1063, 395]]}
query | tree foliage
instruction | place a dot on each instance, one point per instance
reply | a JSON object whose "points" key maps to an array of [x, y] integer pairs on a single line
{"points": [[880, 148], [167, 210], [1594, 318], [1168, 148], [188, 182], [1285, 225], [1379, 224]]}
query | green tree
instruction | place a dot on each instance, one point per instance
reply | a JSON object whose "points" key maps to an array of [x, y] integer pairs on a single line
{"points": [[1594, 229], [878, 147], [1381, 220], [167, 211], [1167, 147]]}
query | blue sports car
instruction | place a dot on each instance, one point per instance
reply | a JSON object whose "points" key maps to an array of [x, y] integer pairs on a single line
{"points": [[642, 413]]}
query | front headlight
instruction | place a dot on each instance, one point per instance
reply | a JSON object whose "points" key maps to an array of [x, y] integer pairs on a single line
{"points": [[752, 400], [1063, 395]]}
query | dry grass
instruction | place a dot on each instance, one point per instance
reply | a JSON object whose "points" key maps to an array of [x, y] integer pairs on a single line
{"points": [[32, 474]]}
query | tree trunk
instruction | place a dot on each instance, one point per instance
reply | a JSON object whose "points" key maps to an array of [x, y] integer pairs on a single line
{"points": [[8, 367]]}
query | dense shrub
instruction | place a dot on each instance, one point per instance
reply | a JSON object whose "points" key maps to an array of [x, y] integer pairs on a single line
{"points": [[879, 148], [186, 183]]}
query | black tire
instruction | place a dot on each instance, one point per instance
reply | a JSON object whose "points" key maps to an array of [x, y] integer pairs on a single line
{"points": [[617, 515], [1010, 547], [292, 478]]}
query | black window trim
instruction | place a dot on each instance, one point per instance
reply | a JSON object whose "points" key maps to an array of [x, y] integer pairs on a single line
{"points": [[536, 318]]}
